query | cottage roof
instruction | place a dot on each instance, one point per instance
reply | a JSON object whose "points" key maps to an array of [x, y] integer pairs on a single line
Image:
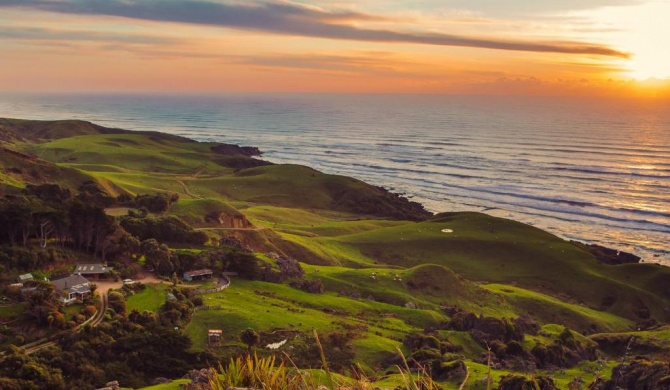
{"points": [[73, 283], [91, 269], [199, 272], [25, 277], [80, 289]]}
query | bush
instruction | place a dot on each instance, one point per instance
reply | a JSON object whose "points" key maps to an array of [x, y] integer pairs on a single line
{"points": [[117, 302], [89, 310], [158, 203], [170, 228]]}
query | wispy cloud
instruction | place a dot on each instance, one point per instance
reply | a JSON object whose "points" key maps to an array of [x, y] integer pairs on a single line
{"points": [[290, 19], [538, 7], [377, 63], [44, 34]]}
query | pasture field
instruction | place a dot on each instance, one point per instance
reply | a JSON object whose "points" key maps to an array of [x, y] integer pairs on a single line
{"points": [[388, 268], [150, 299]]}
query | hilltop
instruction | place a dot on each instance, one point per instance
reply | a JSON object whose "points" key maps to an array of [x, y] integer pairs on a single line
{"points": [[371, 271]]}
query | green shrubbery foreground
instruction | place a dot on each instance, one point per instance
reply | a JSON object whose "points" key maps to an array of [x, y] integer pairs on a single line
{"points": [[267, 373]]}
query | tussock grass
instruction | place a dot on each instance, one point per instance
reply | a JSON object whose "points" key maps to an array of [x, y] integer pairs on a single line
{"points": [[273, 374]]}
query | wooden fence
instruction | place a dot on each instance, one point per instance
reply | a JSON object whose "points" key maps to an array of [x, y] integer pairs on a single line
{"points": [[219, 287]]}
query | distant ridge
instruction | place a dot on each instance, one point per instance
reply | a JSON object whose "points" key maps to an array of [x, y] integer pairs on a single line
{"points": [[36, 131], [25, 130]]}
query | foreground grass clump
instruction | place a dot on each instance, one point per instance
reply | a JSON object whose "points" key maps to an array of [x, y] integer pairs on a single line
{"points": [[264, 373]]}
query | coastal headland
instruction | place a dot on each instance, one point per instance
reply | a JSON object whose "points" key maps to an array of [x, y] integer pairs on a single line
{"points": [[466, 297]]}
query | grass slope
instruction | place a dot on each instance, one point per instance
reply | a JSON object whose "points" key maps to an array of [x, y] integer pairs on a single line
{"points": [[194, 211], [34, 130], [150, 299], [266, 307], [484, 248], [135, 152], [359, 240], [294, 201], [18, 169]]}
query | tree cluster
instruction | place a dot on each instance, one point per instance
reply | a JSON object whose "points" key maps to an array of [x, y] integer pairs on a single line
{"points": [[132, 348], [158, 203], [49, 213], [170, 229], [439, 357]]}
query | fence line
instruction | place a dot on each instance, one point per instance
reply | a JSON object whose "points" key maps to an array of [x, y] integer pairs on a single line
{"points": [[218, 288], [212, 307]]}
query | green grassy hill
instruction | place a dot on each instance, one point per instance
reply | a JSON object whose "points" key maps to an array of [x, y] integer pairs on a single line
{"points": [[147, 163], [388, 267], [18, 169], [34, 131], [327, 219], [483, 248], [486, 249]]}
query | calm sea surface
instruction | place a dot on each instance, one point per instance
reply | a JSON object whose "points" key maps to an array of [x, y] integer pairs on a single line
{"points": [[595, 171]]}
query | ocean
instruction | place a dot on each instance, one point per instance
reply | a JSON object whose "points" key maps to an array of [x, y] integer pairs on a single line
{"points": [[596, 171]]}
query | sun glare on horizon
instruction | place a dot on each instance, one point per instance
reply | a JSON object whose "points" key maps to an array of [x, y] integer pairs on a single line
{"points": [[647, 67], [646, 27]]}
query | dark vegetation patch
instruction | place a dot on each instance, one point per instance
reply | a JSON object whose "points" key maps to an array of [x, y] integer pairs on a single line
{"points": [[236, 150], [608, 255], [522, 382], [377, 201], [617, 344], [240, 162], [168, 228], [336, 345], [132, 348], [641, 373], [566, 351], [504, 339]]}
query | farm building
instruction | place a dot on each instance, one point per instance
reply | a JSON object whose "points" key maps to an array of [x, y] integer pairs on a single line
{"points": [[214, 337], [200, 274], [92, 271], [72, 288]]}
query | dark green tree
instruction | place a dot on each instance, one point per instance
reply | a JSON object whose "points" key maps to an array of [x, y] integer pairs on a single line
{"points": [[250, 338]]}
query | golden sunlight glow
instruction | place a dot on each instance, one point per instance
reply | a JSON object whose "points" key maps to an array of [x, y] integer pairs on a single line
{"points": [[649, 60], [646, 39]]}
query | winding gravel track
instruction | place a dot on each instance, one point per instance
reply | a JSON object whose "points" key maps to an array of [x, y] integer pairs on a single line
{"points": [[96, 319]]}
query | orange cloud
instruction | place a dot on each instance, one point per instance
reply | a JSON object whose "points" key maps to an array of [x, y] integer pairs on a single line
{"points": [[292, 19]]}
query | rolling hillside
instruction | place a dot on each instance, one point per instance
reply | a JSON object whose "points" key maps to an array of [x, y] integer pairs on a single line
{"points": [[385, 267]]}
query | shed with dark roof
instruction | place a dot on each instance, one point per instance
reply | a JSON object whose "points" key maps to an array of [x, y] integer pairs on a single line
{"points": [[199, 274], [92, 270]]}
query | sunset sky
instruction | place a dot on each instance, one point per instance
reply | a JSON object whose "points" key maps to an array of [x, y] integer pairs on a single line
{"points": [[574, 47]]}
